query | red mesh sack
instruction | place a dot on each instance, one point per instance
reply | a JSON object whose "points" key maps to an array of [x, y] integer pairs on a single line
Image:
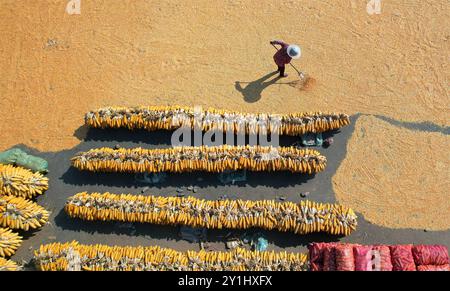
{"points": [[430, 255], [363, 258], [329, 258], [381, 257], [316, 255], [402, 258], [344, 257], [433, 268]]}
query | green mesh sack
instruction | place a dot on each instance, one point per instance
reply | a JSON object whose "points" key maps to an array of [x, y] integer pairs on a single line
{"points": [[20, 158], [10, 156]]}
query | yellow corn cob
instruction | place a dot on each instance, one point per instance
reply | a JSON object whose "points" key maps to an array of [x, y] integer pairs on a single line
{"points": [[8, 265], [9, 242], [73, 256], [236, 214], [172, 117], [21, 182], [19, 213], [211, 159]]}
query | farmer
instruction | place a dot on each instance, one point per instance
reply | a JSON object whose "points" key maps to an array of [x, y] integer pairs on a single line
{"points": [[284, 55]]}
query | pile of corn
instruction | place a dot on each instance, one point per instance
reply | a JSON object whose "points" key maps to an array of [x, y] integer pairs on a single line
{"points": [[17, 185], [8, 265], [211, 159], [74, 257], [172, 117], [19, 213], [302, 218], [9, 242], [21, 182]]}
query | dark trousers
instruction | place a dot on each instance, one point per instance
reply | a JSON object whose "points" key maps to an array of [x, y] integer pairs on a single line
{"points": [[281, 70]]}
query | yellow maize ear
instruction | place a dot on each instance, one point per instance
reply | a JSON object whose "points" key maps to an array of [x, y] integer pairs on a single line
{"points": [[20, 182], [19, 213], [74, 257], [236, 214], [211, 159], [172, 117], [8, 265], [9, 242]]}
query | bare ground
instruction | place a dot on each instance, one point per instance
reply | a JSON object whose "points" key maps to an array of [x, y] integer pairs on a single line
{"points": [[396, 177], [55, 66]]}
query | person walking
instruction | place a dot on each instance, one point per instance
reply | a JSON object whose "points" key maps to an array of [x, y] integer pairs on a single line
{"points": [[284, 55]]}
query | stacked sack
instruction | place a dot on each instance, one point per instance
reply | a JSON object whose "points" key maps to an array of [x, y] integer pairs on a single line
{"points": [[17, 211], [173, 117], [431, 257], [210, 159], [355, 257]]}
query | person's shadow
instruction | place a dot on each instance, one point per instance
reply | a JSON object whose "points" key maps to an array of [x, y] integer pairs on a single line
{"points": [[252, 92]]}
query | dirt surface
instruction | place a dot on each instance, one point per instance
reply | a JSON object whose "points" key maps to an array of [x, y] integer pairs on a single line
{"points": [[56, 66], [65, 181], [396, 177]]}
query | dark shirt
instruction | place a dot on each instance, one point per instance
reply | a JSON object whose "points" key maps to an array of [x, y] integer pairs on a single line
{"points": [[281, 57]]}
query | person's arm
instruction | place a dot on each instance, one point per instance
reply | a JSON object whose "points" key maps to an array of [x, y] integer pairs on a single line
{"points": [[278, 42]]}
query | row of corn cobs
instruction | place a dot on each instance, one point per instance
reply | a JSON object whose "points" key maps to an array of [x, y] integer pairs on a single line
{"points": [[211, 159], [173, 117], [20, 182], [302, 218], [19, 214], [8, 265], [17, 185], [75, 257]]}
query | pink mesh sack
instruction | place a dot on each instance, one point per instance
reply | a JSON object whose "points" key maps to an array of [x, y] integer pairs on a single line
{"points": [[430, 255], [402, 258]]}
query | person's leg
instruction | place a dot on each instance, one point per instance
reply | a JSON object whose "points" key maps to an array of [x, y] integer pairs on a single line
{"points": [[281, 70]]}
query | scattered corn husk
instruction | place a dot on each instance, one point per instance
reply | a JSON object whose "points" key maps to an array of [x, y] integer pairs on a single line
{"points": [[9, 242], [21, 182], [8, 265], [19, 213], [74, 257], [304, 217], [211, 159], [172, 117]]}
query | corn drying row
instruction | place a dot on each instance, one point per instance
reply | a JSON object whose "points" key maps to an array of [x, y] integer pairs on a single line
{"points": [[173, 117], [74, 257], [19, 213], [210, 159], [9, 242], [302, 218], [17, 185], [8, 265], [21, 182]]}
